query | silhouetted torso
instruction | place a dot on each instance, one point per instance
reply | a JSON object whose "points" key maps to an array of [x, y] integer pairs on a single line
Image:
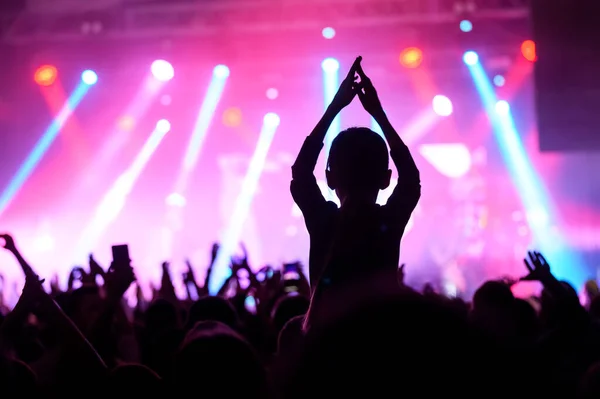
{"points": [[346, 242]]}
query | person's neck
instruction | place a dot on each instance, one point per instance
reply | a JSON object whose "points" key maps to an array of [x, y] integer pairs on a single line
{"points": [[355, 199]]}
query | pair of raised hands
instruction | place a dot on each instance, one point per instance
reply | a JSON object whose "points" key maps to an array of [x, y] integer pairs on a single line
{"points": [[357, 83]]}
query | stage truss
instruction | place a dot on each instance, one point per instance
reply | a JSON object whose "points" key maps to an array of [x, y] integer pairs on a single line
{"points": [[67, 20]]}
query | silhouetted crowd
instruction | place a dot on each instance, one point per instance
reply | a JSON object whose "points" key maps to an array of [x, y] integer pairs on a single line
{"points": [[353, 328]]}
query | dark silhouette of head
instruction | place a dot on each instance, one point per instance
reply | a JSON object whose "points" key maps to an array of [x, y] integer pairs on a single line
{"points": [[553, 310], [212, 308], [528, 323], [382, 344], [81, 305], [217, 360], [288, 307], [494, 309], [161, 316], [291, 335], [358, 164]]}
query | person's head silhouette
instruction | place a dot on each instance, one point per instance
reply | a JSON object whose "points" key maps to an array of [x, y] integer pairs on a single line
{"points": [[358, 164]]}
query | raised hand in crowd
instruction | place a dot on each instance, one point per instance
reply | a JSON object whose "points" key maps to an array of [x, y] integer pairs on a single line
{"points": [[95, 269], [77, 276], [9, 244], [189, 280], [119, 278], [167, 288], [538, 267]]}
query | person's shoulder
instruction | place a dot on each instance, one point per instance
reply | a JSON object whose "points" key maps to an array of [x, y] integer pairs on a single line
{"points": [[332, 206], [326, 210]]}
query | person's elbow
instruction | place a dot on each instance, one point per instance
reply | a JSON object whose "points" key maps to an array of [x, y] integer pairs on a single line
{"points": [[414, 192], [299, 171]]}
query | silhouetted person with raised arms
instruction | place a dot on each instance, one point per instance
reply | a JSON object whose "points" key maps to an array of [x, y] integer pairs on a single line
{"points": [[360, 237]]}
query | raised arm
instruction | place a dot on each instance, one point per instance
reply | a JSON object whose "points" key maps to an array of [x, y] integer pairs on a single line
{"points": [[408, 190], [304, 186], [9, 245], [76, 348]]}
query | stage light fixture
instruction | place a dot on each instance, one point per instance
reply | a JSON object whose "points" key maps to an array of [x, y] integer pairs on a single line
{"points": [[232, 117], [466, 25], [330, 65], [499, 80], [272, 93], [411, 57], [45, 75], [89, 77], [162, 70], [529, 51], [221, 71], [163, 126], [328, 32], [272, 120], [471, 58], [442, 105], [502, 107]]}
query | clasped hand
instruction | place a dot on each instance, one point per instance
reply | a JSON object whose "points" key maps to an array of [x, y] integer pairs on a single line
{"points": [[357, 83]]}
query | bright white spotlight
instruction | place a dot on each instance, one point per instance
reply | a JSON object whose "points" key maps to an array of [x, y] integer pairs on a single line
{"points": [[442, 105], [502, 107], [471, 58], [89, 77], [163, 126], [221, 71], [162, 70], [330, 65], [328, 32], [271, 119], [452, 160], [176, 199]]}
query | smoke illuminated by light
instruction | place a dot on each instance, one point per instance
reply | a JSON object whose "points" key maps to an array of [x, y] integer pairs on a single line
{"points": [[451, 160], [42, 146], [534, 196], [114, 200], [241, 209]]}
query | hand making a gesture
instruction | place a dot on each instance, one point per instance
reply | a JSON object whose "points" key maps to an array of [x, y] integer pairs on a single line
{"points": [[348, 88]]}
